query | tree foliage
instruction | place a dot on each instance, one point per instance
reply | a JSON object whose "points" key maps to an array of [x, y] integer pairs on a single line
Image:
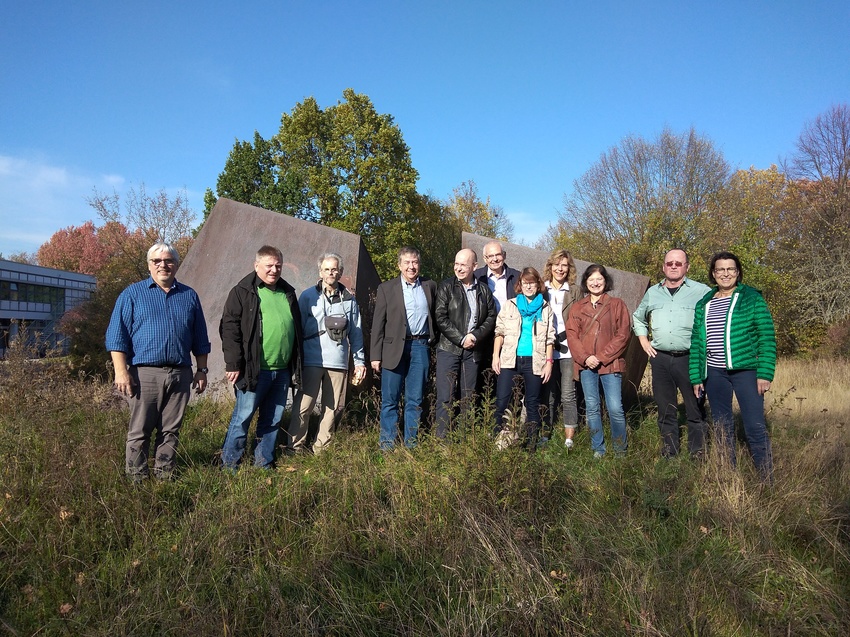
{"points": [[76, 249], [115, 253], [477, 215], [821, 164], [641, 198], [251, 175]]}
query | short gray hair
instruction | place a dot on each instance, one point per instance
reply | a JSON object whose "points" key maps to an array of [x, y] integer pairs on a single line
{"points": [[159, 247], [335, 257]]}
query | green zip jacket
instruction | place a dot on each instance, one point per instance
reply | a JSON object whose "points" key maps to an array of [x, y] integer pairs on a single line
{"points": [[749, 335]]}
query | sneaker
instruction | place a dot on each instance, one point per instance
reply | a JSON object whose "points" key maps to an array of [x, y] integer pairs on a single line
{"points": [[568, 443], [597, 454]]}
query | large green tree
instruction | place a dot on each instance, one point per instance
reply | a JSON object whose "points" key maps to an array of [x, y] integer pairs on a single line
{"points": [[356, 171], [346, 166], [251, 175]]}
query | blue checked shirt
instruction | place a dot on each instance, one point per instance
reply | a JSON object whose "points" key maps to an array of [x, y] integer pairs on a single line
{"points": [[155, 328]]}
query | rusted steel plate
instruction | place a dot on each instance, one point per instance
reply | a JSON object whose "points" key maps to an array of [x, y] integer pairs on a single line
{"points": [[224, 250]]}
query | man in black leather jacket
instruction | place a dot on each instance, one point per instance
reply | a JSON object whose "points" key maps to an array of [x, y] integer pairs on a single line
{"points": [[465, 313]]}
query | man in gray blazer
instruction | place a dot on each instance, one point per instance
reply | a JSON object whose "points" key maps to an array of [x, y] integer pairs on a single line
{"points": [[402, 329]]}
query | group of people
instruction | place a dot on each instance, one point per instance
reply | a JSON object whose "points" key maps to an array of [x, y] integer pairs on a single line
{"points": [[538, 334]]}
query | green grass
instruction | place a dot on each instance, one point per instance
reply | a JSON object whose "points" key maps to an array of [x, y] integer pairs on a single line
{"points": [[449, 539]]}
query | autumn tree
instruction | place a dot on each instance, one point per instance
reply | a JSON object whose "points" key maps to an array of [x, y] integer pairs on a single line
{"points": [[478, 215], [115, 253], [76, 249], [821, 165], [639, 199], [759, 217]]}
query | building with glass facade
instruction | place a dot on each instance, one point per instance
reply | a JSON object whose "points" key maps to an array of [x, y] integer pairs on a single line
{"points": [[38, 297]]}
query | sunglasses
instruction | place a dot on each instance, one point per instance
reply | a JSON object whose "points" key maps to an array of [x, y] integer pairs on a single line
{"points": [[671, 264], [168, 262]]}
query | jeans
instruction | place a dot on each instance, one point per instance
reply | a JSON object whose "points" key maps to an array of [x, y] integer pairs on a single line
{"points": [[453, 370], [612, 386], [409, 376], [719, 387], [269, 396], [560, 391], [505, 389], [669, 377]]}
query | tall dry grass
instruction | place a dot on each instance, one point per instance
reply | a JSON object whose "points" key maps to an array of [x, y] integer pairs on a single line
{"points": [[449, 539]]}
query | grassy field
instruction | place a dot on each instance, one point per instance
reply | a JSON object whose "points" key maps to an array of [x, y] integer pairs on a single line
{"points": [[454, 539]]}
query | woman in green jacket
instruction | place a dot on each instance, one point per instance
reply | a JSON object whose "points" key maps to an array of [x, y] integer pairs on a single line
{"points": [[733, 349]]}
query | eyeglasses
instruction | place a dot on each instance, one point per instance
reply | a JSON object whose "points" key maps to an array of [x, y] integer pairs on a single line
{"points": [[168, 262], [674, 264], [493, 257], [726, 270]]}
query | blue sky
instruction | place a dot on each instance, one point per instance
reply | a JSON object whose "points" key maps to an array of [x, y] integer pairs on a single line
{"points": [[522, 97]]}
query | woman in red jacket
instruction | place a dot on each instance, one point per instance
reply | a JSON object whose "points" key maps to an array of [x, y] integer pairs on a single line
{"points": [[598, 331]]}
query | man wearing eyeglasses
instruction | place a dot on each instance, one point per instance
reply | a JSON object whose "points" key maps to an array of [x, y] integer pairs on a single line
{"points": [[156, 326], [496, 275], [663, 323], [501, 279]]}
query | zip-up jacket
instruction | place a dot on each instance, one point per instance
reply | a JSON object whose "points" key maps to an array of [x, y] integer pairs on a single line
{"points": [[509, 325], [451, 311], [606, 337], [320, 350], [748, 335], [241, 329]]}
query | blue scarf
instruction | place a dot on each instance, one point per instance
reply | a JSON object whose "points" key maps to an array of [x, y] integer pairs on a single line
{"points": [[530, 309]]}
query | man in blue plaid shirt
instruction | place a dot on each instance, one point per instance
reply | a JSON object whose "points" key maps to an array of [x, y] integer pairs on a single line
{"points": [[156, 327]]}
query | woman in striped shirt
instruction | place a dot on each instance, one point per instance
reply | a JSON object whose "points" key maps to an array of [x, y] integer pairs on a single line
{"points": [[733, 350]]}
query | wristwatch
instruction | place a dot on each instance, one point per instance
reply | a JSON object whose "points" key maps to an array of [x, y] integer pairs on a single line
{"points": [[204, 370]]}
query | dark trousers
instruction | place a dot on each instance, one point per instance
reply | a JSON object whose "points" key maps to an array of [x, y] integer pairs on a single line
{"points": [[719, 386], [507, 383], [456, 375], [669, 377]]}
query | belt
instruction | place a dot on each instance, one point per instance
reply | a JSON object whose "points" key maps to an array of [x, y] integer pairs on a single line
{"points": [[417, 337], [676, 353]]}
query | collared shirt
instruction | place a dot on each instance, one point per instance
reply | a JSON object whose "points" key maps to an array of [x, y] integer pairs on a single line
{"points": [[498, 284], [415, 306], [669, 318], [157, 328], [472, 300], [556, 300]]}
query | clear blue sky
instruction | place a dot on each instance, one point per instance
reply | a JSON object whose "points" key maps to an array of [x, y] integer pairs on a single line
{"points": [[522, 97]]}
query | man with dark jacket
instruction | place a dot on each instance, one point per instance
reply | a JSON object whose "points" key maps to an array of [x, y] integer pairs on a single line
{"points": [[402, 330], [466, 315], [501, 280], [261, 338]]}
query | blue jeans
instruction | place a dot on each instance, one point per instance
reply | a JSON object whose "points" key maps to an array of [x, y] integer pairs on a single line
{"points": [[504, 390], [612, 385], [409, 376], [718, 388], [269, 396]]}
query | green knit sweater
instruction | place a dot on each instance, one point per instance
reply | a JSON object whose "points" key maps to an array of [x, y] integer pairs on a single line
{"points": [[749, 335]]}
